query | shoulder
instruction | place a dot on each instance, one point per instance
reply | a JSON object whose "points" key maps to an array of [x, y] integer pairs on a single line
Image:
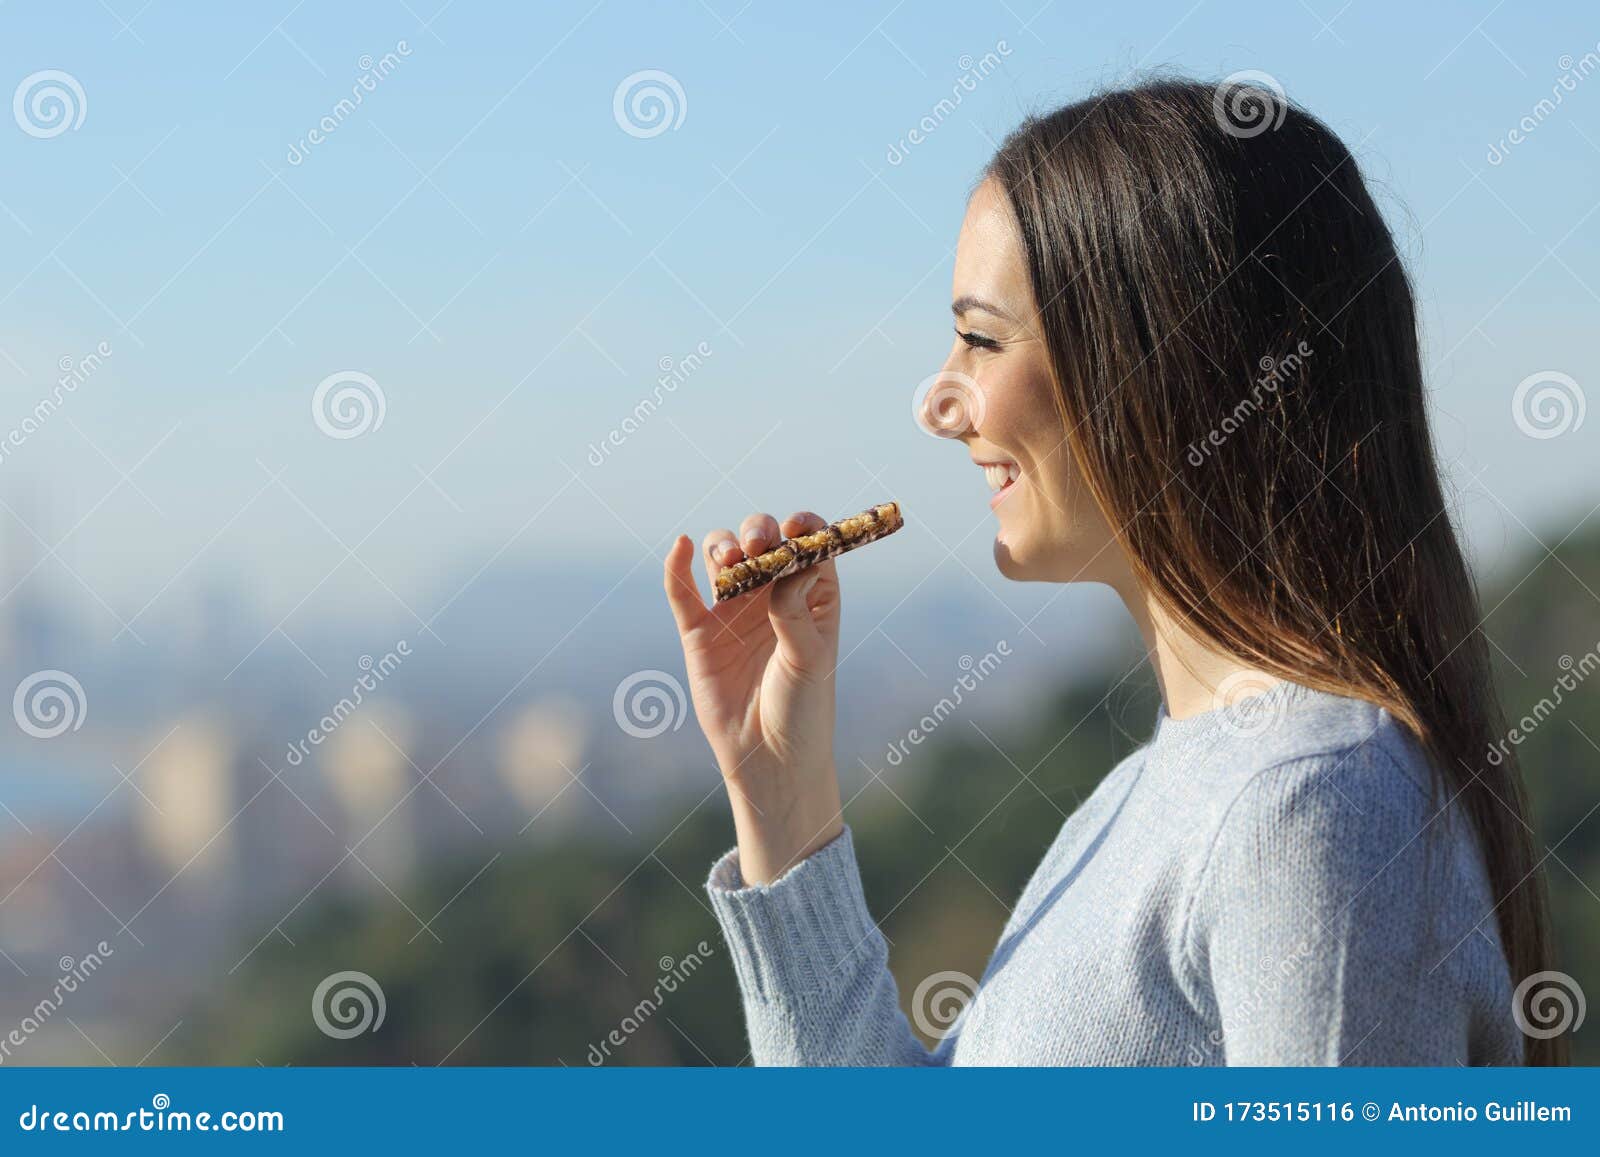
{"points": [[1336, 808], [1324, 758], [1374, 787]]}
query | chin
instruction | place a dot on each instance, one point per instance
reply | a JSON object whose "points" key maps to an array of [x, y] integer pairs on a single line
{"points": [[1014, 560], [1023, 559]]}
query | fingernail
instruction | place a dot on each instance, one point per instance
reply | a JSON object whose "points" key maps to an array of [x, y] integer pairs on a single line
{"points": [[724, 548]]}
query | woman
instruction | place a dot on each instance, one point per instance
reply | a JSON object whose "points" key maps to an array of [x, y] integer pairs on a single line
{"points": [[1191, 373]]}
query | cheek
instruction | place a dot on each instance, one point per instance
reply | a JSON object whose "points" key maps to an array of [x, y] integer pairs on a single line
{"points": [[1019, 413], [1021, 418], [1056, 532]]}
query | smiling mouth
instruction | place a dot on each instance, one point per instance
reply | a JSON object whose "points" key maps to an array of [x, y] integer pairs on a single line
{"points": [[1002, 478]]}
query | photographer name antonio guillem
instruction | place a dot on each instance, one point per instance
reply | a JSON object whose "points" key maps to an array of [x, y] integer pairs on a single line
{"points": [[1395, 1111]]}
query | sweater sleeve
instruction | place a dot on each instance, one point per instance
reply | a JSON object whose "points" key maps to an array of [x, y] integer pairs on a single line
{"points": [[1314, 925], [813, 967]]}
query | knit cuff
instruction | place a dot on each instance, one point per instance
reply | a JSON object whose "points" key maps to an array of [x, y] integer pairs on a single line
{"points": [[805, 932]]}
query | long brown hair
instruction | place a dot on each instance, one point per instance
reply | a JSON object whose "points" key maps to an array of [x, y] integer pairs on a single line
{"points": [[1234, 343]]}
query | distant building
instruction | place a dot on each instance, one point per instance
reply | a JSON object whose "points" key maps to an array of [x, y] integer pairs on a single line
{"points": [[188, 782], [367, 769], [541, 749]]}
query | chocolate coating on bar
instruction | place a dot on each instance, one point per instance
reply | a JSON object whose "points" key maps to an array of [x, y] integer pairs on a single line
{"points": [[793, 555]]}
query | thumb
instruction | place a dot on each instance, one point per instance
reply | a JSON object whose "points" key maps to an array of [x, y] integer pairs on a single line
{"points": [[792, 621]]}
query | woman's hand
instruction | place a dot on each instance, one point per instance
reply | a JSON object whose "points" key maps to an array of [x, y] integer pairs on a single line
{"points": [[761, 673]]}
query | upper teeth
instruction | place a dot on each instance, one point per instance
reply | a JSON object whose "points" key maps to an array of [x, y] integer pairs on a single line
{"points": [[998, 475]]}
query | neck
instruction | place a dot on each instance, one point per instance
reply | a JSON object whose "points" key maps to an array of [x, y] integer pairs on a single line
{"points": [[1189, 670]]}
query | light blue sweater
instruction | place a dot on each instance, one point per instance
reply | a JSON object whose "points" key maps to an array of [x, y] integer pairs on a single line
{"points": [[1272, 884]]}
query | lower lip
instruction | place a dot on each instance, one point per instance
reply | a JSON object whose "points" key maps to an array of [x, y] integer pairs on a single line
{"points": [[1000, 495]]}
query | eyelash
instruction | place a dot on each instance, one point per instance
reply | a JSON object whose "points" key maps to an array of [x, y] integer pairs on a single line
{"points": [[976, 341]]}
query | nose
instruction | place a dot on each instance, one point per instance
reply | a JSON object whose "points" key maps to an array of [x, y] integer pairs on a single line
{"points": [[948, 404]]}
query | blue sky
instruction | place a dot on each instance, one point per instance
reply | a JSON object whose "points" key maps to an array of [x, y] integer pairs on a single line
{"points": [[483, 239]]}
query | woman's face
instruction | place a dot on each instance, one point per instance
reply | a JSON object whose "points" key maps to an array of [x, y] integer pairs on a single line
{"points": [[995, 395]]}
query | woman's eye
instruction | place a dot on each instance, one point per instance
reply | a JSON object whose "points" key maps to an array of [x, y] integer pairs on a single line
{"points": [[977, 340]]}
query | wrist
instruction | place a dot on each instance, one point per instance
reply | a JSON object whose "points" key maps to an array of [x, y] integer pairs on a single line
{"points": [[778, 829]]}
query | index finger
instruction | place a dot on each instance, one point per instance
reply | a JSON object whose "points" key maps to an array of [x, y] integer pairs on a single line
{"points": [[682, 595]]}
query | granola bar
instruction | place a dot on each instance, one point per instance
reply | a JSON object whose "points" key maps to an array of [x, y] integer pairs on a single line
{"points": [[793, 555]]}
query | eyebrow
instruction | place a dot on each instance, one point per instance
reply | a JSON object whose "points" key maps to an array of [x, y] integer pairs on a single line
{"points": [[967, 303]]}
